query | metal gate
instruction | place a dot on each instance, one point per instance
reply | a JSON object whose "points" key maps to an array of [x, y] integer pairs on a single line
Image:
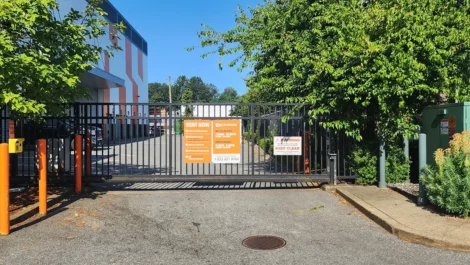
{"points": [[150, 143]]}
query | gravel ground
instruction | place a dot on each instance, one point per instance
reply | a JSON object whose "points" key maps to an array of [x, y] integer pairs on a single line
{"points": [[410, 188]]}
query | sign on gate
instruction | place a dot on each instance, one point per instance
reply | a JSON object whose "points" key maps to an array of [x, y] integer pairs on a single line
{"points": [[287, 146], [212, 141], [197, 141], [226, 141]]}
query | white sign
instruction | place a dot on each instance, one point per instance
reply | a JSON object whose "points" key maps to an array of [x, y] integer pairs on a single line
{"points": [[287, 146], [445, 127]]}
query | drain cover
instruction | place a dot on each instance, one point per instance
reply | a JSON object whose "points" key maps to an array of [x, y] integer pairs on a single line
{"points": [[264, 242]]}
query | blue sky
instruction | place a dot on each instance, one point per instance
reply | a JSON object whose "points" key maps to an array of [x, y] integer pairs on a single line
{"points": [[171, 26]]}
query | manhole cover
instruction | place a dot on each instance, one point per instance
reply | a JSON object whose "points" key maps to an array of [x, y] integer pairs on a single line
{"points": [[264, 242]]}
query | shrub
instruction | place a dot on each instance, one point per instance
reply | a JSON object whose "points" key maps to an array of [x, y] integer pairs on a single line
{"points": [[266, 144], [365, 163], [397, 165], [247, 136], [448, 183]]}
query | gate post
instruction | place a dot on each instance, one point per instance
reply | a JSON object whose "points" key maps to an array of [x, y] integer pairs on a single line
{"points": [[170, 151], [78, 163], [333, 172], [306, 152], [253, 139], [88, 157], [332, 156]]}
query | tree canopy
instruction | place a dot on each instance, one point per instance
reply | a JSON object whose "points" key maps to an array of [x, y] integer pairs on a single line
{"points": [[43, 55], [187, 97], [371, 67], [229, 95], [158, 93], [201, 92]]}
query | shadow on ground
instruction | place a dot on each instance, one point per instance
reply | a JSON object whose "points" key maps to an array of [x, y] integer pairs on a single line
{"points": [[205, 186], [61, 205]]}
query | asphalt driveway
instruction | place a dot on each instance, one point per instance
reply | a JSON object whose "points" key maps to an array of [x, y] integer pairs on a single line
{"points": [[207, 227]]}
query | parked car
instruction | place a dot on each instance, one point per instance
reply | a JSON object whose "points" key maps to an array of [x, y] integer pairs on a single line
{"points": [[156, 127], [95, 132], [50, 129], [59, 129]]}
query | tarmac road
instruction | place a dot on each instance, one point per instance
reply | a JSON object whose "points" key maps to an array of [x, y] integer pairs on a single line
{"points": [[207, 227]]}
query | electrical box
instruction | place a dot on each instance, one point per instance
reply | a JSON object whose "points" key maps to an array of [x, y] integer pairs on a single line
{"points": [[15, 145], [441, 122]]}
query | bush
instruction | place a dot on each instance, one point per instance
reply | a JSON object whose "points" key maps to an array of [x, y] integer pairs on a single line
{"points": [[247, 136], [266, 144], [365, 163], [448, 183], [397, 165]]}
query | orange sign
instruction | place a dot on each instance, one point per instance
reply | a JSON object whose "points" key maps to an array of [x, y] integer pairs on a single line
{"points": [[226, 141], [197, 141], [452, 124]]}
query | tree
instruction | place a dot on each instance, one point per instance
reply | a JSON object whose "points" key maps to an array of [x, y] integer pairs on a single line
{"points": [[228, 96], [179, 85], [187, 98], [370, 68], [158, 93], [214, 91], [43, 55], [201, 92]]}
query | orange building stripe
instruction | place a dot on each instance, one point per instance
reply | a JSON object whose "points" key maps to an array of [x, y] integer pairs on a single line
{"points": [[140, 63], [135, 87]]}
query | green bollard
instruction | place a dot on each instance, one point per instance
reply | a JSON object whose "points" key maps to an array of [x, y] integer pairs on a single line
{"points": [[382, 181], [406, 151], [422, 199]]}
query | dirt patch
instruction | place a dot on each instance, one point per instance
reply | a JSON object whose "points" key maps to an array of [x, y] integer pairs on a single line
{"points": [[28, 197]]}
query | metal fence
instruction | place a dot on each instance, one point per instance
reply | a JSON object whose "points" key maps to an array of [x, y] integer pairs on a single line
{"points": [[146, 142]]}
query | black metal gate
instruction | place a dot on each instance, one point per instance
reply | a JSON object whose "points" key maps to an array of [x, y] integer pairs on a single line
{"points": [[146, 143]]}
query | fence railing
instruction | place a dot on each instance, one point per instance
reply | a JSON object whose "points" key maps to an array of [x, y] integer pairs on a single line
{"points": [[146, 142]]}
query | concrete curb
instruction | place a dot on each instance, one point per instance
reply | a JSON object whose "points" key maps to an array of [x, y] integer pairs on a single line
{"points": [[404, 193], [401, 231], [333, 188], [32, 210]]}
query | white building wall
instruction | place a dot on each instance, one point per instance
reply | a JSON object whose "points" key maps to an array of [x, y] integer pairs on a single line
{"points": [[117, 63]]}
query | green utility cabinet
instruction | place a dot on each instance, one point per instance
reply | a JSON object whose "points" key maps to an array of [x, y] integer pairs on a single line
{"points": [[441, 122]]}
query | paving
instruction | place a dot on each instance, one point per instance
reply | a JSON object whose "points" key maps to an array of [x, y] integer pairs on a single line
{"points": [[207, 227], [402, 217]]}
